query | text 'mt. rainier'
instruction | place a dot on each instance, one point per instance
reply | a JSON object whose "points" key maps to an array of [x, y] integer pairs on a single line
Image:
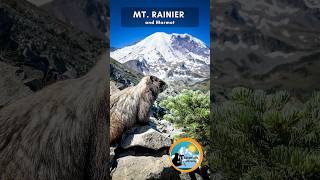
{"points": [[158, 14]]}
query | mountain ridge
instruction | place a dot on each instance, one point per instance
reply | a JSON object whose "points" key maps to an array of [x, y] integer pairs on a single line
{"points": [[268, 45]]}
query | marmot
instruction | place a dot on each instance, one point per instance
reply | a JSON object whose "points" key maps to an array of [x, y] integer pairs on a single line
{"points": [[132, 105], [60, 132]]}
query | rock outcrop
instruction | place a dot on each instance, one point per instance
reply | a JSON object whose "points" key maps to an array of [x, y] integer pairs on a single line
{"points": [[142, 153], [145, 137], [144, 167]]}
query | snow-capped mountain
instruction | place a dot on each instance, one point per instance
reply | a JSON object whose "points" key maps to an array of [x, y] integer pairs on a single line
{"points": [[168, 56]]}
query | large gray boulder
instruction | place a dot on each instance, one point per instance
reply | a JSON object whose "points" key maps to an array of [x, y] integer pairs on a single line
{"points": [[144, 167], [145, 136]]}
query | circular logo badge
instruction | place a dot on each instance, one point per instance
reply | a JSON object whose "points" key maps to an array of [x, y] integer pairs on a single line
{"points": [[186, 155]]}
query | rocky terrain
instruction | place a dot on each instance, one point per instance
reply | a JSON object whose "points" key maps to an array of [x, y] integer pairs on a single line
{"points": [[122, 77], [37, 50], [266, 44], [85, 15], [142, 153]]}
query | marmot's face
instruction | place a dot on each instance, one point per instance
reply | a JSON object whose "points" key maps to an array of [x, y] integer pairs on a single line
{"points": [[156, 85]]}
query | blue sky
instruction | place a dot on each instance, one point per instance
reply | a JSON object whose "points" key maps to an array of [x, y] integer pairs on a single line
{"points": [[180, 145], [123, 36]]}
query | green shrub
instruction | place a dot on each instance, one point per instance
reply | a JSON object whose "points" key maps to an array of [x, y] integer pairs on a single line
{"points": [[260, 136], [190, 110]]}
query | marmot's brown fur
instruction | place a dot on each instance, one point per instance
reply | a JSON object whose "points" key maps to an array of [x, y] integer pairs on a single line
{"points": [[60, 132], [132, 105]]}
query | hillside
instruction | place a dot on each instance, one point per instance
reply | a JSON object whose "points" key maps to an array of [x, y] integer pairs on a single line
{"points": [[85, 15], [123, 76], [266, 45]]}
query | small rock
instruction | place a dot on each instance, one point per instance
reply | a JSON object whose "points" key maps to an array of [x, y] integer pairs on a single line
{"points": [[144, 136], [144, 167]]}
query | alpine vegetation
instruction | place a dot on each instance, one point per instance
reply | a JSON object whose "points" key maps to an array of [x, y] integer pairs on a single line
{"points": [[260, 136]]}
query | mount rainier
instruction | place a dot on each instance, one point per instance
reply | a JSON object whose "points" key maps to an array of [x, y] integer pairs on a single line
{"points": [[171, 57]]}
